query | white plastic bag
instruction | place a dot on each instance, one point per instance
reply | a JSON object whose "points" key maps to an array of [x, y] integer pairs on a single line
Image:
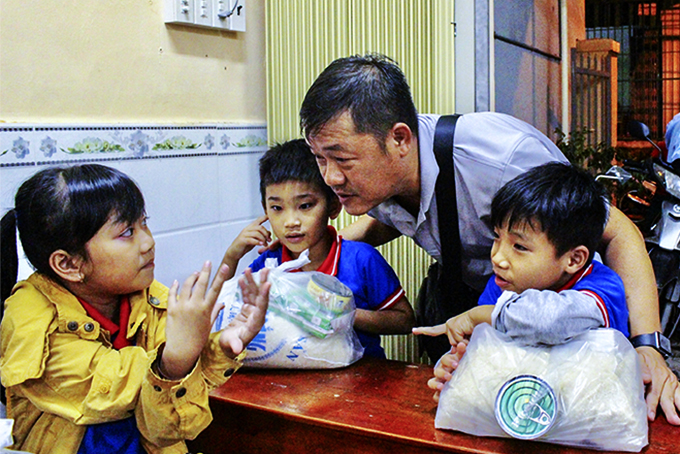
{"points": [[587, 392], [309, 323]]}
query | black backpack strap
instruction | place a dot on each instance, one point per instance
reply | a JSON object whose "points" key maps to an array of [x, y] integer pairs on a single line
{"points": [[445, 190]]}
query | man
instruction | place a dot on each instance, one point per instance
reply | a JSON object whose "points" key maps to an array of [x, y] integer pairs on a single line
{"points": [[376, 153]]}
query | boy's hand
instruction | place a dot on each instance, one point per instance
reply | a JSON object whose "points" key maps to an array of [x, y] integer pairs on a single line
{"points": [[245, 326], [254, 234], [189, 321], [443, 370], [458, 328]]}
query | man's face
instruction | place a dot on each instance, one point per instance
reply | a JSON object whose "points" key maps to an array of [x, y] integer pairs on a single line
{"points": [[360, 172]]}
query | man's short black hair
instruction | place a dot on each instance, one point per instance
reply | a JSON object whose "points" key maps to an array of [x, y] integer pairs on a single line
{"points": [[372, 88], [292, 161], [562, 200]]}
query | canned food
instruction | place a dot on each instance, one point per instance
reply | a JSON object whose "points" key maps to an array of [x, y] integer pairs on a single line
{"points": [[526, 407], [330, 292]]}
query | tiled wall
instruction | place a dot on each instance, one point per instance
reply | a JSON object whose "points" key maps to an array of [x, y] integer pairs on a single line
{"points": [[200, 182]]}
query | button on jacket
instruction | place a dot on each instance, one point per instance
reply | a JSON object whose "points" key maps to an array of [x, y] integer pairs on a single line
{"points": [[62, 373]]}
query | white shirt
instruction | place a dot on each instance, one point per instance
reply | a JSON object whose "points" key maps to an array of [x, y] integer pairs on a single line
{"points": [[490, 149]]}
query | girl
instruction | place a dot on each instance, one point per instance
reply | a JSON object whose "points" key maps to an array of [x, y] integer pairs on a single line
{"points": [[96, 355]]}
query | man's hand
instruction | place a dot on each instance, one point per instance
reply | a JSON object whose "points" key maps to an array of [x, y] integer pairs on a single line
{"points": [[661, 385]]}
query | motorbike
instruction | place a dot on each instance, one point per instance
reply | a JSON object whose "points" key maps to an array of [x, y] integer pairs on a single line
{"points": [[657, 213]]}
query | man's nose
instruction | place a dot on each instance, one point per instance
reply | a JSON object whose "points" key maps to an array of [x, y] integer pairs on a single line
{"points": [[332, 175]]}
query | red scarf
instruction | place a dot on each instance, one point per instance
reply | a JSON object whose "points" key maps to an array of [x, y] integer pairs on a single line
{"points": [[118, 331]]}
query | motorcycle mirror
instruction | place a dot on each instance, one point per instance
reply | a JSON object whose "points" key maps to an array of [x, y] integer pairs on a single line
{"points": [[616, 173], [638, 130]]}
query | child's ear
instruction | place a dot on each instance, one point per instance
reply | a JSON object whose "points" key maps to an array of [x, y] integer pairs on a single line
{"points": [[67, 266], [334, 208], [577, 258]]}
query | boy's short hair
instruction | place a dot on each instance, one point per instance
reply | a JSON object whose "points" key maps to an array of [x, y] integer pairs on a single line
{"points": [[562, 200], [291, 161]]}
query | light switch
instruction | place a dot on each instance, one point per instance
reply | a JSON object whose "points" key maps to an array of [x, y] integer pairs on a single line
{"points": [[179, 11], [220, 14], [203, 15]]}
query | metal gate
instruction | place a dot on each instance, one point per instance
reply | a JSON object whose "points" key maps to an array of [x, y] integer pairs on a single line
{"points": [[649, 61], [591, 95]]}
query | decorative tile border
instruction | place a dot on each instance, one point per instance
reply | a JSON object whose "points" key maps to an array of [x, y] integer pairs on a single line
{"points": [[46, 144]]}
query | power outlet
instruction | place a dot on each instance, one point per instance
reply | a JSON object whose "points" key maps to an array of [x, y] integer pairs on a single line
{"points": [[179, 11], [236, 19]]}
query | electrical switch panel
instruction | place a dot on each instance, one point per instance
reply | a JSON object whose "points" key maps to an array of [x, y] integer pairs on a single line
{"points": [[219, 14]]}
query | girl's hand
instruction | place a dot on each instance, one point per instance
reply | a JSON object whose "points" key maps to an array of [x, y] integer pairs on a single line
{"points": [[443, 370], [189, 321], [245, 326]]}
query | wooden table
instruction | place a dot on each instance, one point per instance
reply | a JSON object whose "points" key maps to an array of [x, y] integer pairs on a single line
{"points": [[373, 406]]}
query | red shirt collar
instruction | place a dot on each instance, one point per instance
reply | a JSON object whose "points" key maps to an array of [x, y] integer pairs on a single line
{"points": [[583, 272], [330, 264], [118, 331]]}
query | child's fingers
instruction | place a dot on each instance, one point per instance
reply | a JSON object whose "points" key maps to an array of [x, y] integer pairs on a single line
{"points": [[260, 220], [217, 283], [273, 245], [188, 284], [201, 284], [215, 312], [436, 330], [172, 294]]}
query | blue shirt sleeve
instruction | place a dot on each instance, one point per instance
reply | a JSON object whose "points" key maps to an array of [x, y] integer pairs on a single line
{"points": [[367, 274]]}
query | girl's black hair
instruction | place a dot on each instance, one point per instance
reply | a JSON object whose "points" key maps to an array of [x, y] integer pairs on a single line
{"points": [[63, 208], [292, 161], [562, 200]]}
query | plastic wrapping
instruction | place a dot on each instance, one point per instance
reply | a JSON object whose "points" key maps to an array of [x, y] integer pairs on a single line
{"points": [[587, 392], [309, 323]]}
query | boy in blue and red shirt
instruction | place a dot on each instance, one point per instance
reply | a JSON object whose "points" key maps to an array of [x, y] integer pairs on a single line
{"points": [[546, 287], [298, 205]]}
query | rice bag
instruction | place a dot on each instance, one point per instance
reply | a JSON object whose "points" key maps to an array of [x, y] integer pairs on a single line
{"points": [[309, 323], [587, 392]]}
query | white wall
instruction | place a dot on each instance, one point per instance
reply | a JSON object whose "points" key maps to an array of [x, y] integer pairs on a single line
{"points": [[106, 69], [198, 198]]}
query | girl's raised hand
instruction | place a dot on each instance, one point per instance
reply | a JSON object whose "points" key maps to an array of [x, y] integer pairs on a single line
{"points": [[245, 326], [189, 321]]}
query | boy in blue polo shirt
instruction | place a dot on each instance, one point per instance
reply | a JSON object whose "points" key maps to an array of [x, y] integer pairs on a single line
{"points": [[546, 288], [298, 205]]}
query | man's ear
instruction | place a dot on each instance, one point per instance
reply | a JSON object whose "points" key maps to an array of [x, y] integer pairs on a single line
{"points": [[401, 137], [576, 259], [334, 208], [68, 267]]}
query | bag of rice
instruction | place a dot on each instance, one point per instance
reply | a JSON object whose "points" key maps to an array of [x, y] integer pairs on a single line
{"points": [[587, 392], [309, 324]]}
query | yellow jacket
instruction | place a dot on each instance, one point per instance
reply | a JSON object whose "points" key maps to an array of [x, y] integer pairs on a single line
{"points": [[62, 374]]}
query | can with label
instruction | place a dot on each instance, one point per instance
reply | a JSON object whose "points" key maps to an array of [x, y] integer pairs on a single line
{"points": [[330, 292], [526, 407]]}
